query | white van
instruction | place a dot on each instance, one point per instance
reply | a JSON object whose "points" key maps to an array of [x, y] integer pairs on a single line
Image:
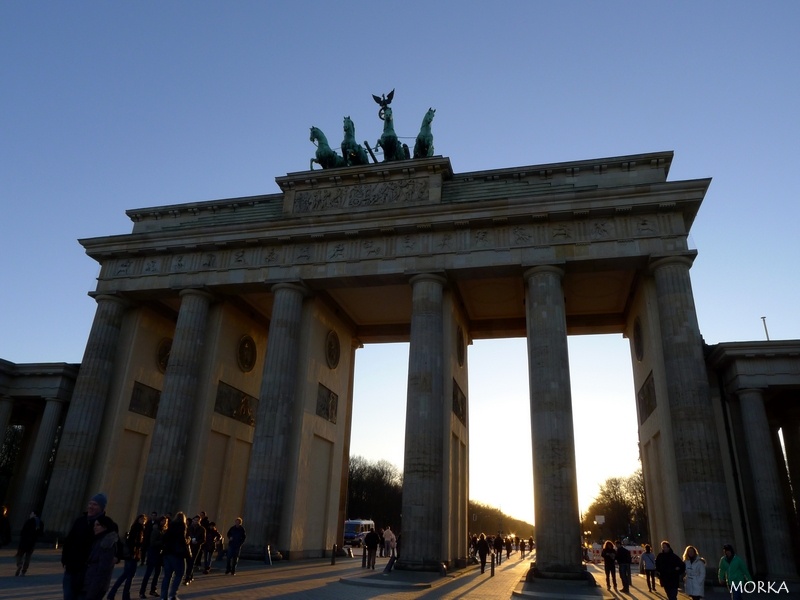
{"points": [[355, 530]]}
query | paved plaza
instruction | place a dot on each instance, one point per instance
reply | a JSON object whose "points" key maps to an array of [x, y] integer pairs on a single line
{"points": [[317, 579]]}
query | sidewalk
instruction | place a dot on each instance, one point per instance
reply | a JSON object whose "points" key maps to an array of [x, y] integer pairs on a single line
{"points": [[317, 579], [313, 579]]}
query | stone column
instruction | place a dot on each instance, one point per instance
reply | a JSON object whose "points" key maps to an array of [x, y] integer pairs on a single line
{"points": [[791, 440], [555, 485], [423, 471], [269, 458], [770, 507], [166, 461], [32, 489], [67, 494], [698, 460], [6, 406]]}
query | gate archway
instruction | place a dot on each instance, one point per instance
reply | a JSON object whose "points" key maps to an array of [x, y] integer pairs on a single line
{"points": [[223, 348]]}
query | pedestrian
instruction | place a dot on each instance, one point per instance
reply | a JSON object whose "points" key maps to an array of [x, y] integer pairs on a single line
{"points": [[175, 552], [101, 560], [483, 551], [624, 561], [154, 558], [236, 537], [31, 530], [130, 554], [197, 537], [213, 536], [78, 545], [389, 542], [609, 555], [649, 563], [670, 570], [371, 541], [152, 521], [733, 571], [694, 584], [497, 544]]}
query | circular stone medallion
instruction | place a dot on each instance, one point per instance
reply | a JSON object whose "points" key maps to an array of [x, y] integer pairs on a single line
{"points": [[246, 354], [332, 349]]}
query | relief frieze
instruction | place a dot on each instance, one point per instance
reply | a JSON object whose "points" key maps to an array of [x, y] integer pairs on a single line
{"points": [[521, 236], [152, 266], [561, 232], [534, 236], [645, 226], [209, 260], [239, 258], [368, 194]]}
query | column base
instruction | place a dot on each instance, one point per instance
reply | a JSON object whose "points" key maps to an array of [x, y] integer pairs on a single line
{"points": [[423, 565], [560, 572]]}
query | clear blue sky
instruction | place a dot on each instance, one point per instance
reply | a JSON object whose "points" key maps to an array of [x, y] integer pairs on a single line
{"points": [[107, 106]]}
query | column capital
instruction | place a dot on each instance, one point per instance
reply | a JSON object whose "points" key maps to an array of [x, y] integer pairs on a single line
{"points": [[123, 302], [296, 286], [543, 269], [198, 292], [687, 259], [435, 277]]}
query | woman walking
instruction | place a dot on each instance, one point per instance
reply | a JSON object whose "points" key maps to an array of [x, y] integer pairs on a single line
{"points": [[649, 563], [133, 544], [695, 581], [154, 558], [175, 553], [609, 555]]}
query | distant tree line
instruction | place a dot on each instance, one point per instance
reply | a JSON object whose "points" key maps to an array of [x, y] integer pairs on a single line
{"points": [[621, 501], [489, 520], [375, 491]]}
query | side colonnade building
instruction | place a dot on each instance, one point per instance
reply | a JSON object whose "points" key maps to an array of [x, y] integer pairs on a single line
{"points": [[218, 372]]}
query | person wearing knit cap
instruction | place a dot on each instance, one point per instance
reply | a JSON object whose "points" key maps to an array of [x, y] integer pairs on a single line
{"points": [[78, 544], [101, 500]]}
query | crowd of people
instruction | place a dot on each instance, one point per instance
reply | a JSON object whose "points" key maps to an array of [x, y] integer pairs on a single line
{"points": [[671, 569], [385, 541], [170, 547], [482, 547]]}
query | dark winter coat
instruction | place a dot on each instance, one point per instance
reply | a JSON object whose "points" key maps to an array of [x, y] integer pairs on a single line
{"points": [[670, 568], [100, 565], [31, 530], [236, 538]]}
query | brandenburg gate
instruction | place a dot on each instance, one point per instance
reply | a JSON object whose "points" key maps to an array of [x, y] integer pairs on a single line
{"points": [[218, 373]]}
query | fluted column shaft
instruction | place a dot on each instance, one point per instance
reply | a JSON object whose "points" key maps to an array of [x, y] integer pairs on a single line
{"points": [[555, 485], [166, 461], [772, 517], [424, 444], [67, 493], [269, 458], [32, 489], [698, 460]]}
